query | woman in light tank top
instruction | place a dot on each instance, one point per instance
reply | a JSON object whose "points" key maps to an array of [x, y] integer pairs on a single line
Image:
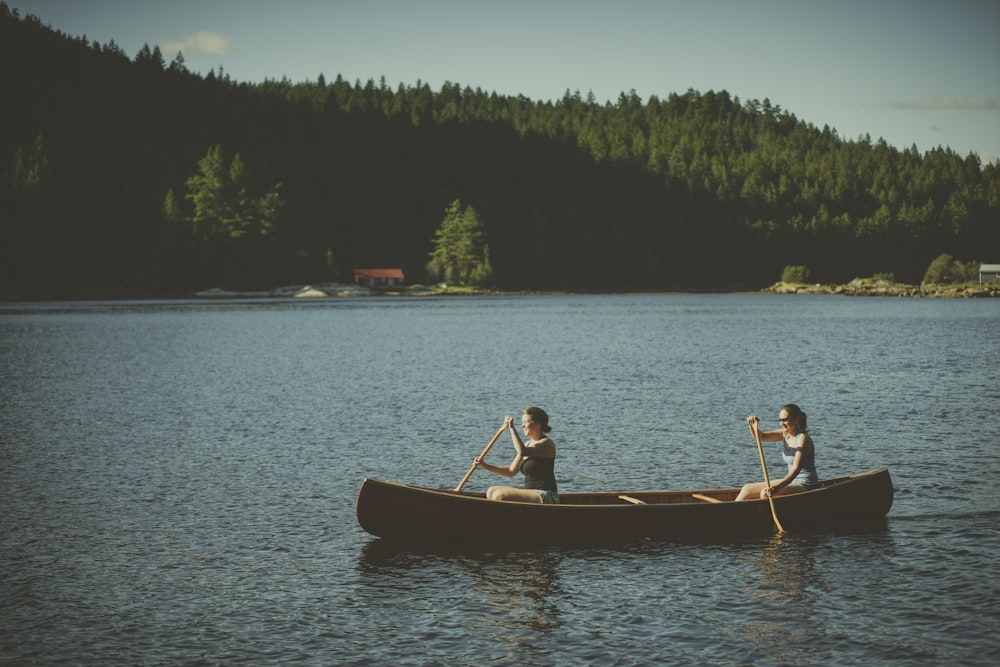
{"points": [[798, 452], [535, 458]]}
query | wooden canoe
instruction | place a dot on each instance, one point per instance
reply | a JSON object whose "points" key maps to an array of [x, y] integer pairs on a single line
{"points": [[395, 510]]}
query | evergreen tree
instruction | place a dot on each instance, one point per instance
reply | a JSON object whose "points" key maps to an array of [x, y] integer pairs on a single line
{"points": [[170, 213], [224, 207], [26, 172], [207, 191], [460, 253]]}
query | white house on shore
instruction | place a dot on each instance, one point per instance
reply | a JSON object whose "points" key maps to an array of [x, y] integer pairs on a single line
{"points": [[989, 273], [379, 278]]}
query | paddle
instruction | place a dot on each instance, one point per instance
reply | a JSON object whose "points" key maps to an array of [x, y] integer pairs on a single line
{"points": [[763, 464], [481, 457]]}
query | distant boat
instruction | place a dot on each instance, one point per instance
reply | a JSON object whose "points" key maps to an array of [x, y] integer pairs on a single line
{"points": [[395, 510]]}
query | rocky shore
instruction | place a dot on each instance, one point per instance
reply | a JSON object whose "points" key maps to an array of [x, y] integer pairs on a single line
{"points": [[882, 288], [288, 291], [320, 290], [854, 288]]}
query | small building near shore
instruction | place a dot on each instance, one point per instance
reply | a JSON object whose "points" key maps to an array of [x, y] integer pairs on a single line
{"points": [[379, 278], [989, 273]]}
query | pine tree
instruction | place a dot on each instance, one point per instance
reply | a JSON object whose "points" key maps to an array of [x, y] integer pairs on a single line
{"points": [[460, 253], [27, 172], [225, 208]]}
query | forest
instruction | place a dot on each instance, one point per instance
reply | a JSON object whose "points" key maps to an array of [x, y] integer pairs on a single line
{"points": [[133, 176]]}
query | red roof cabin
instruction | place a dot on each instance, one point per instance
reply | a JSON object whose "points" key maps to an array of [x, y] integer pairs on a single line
{"points": [[378, 278]]}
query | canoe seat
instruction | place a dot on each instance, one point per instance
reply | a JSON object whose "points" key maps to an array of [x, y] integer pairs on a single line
{"points": [[630, 499], [707, 499]]}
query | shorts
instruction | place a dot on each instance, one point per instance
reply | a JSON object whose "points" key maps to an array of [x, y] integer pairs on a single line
{"points": [[548, 496]]}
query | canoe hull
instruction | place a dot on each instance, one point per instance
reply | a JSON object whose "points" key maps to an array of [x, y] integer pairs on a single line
{"points": [[394, 510]]}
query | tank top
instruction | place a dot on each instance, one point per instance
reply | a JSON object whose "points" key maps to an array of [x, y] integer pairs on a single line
{"points": [[539, 473], [807, 473]]}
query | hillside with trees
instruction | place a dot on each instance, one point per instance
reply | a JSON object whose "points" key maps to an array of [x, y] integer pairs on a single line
{"points": [[134, 176]]}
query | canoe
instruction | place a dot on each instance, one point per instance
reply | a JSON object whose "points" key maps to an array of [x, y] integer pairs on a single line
{"points": [[395, 510]]}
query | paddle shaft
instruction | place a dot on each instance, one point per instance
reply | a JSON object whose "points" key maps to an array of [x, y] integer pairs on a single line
{"points": [[481, 457], [767, 480]]}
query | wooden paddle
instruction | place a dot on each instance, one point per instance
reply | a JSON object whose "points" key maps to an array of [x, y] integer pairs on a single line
{"points": [[763, 464], [481, 457]]}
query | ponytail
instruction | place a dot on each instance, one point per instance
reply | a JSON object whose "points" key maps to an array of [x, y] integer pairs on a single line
{"points": [[540, 416], [795, 413]]}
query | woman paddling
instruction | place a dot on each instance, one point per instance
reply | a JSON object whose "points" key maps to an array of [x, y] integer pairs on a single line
{"points": [[535, 458], [799, 453]]}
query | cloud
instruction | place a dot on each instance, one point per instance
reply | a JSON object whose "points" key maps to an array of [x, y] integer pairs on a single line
{"points": [[949, 103], [203, 42]]}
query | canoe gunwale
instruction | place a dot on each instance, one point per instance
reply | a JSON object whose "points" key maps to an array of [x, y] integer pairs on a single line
{"points": [[566, 499]]}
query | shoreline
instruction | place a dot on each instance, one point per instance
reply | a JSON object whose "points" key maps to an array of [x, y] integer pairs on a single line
{"points": [[861, 288], [856, 288]]}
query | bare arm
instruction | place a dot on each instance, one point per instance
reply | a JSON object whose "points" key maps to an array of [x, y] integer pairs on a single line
{"points": [[543, 449], [765, 436], [515, 465], [516, 441], [506, 471]]}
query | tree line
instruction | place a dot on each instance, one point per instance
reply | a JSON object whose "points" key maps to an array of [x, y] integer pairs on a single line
{"points": [[135, 175]]}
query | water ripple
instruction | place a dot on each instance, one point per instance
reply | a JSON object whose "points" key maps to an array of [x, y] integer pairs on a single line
{"points": [[178, 481]]}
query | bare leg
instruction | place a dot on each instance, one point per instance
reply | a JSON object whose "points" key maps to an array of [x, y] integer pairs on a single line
{"points": [[751, 491], [510, 493]]}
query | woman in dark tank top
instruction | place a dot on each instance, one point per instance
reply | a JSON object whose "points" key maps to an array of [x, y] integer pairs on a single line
{"points": [[535, 459], [539, 473]]}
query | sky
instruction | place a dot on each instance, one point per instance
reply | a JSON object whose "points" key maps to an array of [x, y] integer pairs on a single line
{"points": [[911, 72]]}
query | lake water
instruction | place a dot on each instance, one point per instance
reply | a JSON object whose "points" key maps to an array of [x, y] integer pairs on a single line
{"points": [[178, 478]]}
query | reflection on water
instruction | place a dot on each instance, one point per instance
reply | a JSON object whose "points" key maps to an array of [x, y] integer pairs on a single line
{"points": [[518, 586], [494, 595], [784, 590], [515, 583]]}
